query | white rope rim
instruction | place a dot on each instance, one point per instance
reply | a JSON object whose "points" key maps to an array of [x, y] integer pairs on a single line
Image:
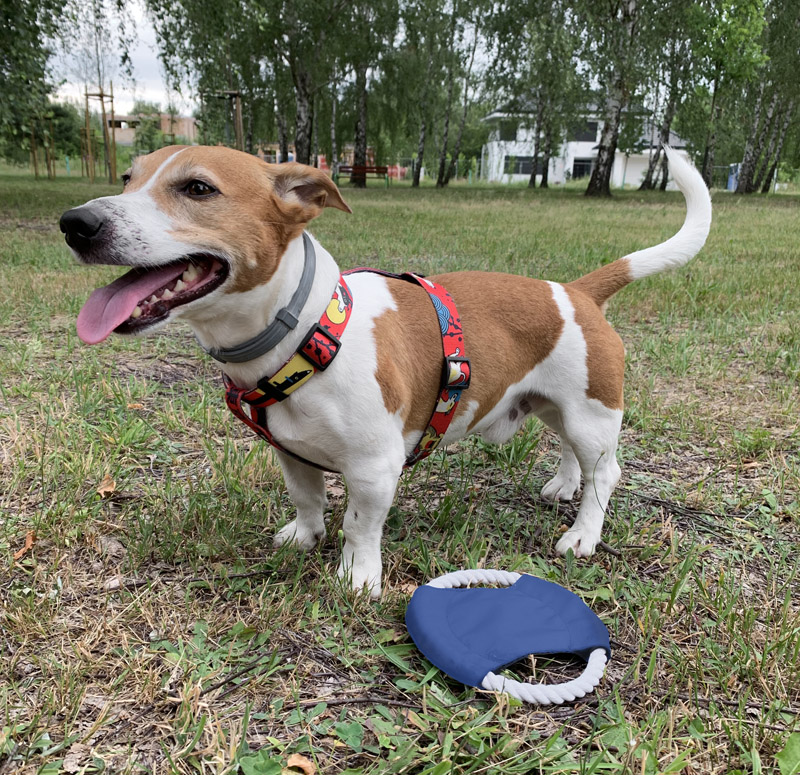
{"points": [[538, 694]]}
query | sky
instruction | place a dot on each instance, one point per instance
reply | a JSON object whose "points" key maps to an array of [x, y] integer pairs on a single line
{"points": [[149, 83]]}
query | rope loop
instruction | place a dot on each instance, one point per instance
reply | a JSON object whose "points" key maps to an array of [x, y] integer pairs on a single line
{"points": [[538, 694]]}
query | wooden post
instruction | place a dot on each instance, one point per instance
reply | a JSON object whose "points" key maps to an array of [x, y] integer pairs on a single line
{"points": [[106, 149], [33, 153], [89, 156], [46, 147], [113, 138], [83, 152], [53, 149], [237, 121]]}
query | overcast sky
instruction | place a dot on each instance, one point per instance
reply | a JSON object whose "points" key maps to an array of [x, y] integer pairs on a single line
{"points": [[149, 81]]}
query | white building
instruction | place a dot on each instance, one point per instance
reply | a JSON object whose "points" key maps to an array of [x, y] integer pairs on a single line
{"points": [[507, 157]]}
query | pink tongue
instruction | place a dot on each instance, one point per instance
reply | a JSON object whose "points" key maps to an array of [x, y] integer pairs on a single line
{"points": [[109, 306]]}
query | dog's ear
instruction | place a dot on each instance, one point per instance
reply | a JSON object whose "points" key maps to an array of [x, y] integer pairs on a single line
{"points": [[306, 190]]}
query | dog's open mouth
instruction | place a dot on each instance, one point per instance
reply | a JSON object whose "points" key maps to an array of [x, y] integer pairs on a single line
{"points": [[143, 297]]}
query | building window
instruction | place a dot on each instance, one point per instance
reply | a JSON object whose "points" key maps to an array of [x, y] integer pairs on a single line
{"points": [[586, 133], [508, 131], [521, 165], [582, 168]]}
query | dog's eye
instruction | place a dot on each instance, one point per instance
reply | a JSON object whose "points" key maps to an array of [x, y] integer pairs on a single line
{"points": [[199, 189], [126, 178]]}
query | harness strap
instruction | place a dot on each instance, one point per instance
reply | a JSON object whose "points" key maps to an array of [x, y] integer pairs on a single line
{"points": [[321, 346]]}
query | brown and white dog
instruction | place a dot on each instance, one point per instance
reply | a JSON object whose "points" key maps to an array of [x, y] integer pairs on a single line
{"points": [[216, 238]]}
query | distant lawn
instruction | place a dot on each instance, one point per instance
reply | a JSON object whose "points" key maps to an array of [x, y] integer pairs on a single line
{"points": [[154, 629]]}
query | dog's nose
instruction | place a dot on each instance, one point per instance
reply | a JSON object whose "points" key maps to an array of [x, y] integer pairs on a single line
{"points": [[80, 226]]}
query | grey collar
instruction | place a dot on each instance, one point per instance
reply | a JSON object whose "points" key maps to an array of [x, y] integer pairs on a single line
{"points": [[285, 319]]}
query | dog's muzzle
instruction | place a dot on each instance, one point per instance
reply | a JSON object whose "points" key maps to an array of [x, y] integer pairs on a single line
{"points": [[81, 227]]}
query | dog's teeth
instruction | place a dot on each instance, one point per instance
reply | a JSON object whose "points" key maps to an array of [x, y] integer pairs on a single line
{"points": [[168, 294], [190, 275], [179, 286], [137, 311], [153, 299]]}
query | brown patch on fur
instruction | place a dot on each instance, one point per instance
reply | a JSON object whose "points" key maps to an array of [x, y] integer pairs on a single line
{"points": [[259, 210], [601, 284], [510, 324], [605, 353]]}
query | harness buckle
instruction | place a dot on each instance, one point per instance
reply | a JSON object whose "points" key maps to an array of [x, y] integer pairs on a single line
{"points": [[456, 373], [270, 391], [320, 347]]}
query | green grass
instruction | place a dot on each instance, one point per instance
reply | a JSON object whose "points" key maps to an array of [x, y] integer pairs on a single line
{"points": [[155, 630]]}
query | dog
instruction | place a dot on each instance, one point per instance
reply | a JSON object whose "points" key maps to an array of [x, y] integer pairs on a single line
{"points": [[217, 238]]}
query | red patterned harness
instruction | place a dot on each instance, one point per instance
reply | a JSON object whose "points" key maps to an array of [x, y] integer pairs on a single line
{"points": [[321, 346]]}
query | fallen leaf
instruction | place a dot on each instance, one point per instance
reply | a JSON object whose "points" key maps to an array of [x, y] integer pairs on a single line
{"points": [[75, 758], [135, 406], [30, 539], [300, 762], [111, 547], [107, 487]]}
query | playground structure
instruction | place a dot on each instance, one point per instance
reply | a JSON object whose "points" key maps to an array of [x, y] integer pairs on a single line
{"points": [[89, 139]]}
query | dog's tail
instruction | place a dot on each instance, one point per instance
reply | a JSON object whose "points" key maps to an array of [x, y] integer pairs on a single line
{"points": [[601, 284]]}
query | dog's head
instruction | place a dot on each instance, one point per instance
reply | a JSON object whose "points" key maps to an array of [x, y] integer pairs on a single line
{"points": [[193, 223]]}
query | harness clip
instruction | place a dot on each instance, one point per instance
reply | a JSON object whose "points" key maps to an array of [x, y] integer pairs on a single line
{"points": [[456, 373], [320, 347]]}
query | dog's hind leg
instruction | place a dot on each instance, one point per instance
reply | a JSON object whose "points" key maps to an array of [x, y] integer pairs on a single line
{"points": [[592, 431], [564, 485], [371, 486], [306, 487]]}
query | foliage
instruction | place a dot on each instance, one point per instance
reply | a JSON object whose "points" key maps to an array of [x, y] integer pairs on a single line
{"points": [[149, 136], [26, 27]]}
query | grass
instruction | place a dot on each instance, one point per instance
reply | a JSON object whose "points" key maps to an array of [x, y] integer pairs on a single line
{"points": [[153, 629]]}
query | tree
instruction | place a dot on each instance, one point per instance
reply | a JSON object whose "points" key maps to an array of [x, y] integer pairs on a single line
{"points": [[731, 50], [673, 65], [615, 45], [26, 27], [775, 100], [372, 26], [536, 71]]}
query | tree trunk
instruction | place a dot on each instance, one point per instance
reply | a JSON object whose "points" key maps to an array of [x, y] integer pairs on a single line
{"points": [[600, 181], [787, 119], [770, 152], [304, 116], [283, 135], [548, 152], [423, 127], [536, 132], [769, 120], [664, 173], [711, 138], [747, 168], [451, 171], [616, 100], [440, 182], [334, 165], [451, 81], [250, 127], [663, 139], [360, 150]]}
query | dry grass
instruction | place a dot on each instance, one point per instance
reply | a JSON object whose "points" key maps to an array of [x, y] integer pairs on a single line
{"points": [[154, 630]]}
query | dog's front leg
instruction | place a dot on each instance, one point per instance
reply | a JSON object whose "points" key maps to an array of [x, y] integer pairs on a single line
{"points": [[306, 486], [370, 490]]}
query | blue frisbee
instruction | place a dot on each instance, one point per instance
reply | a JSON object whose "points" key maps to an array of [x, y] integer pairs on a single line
{"points": [[472, 633]]}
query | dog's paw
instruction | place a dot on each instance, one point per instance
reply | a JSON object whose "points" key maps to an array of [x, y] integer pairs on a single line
{"points": [[582, 542], [305, 536], [560, 489], [362, 573]]}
